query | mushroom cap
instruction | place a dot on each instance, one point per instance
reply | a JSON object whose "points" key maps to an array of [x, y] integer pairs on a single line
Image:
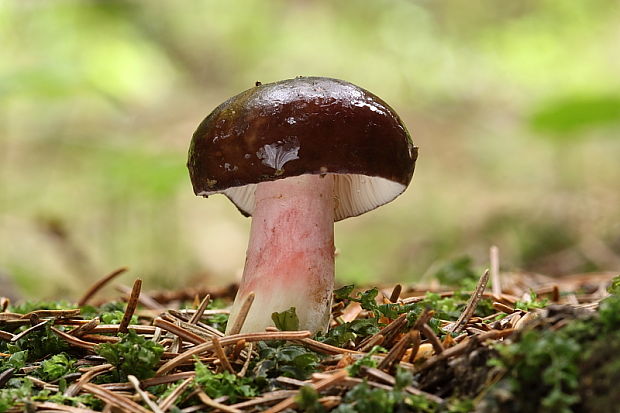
{"points": [[306, 125]]}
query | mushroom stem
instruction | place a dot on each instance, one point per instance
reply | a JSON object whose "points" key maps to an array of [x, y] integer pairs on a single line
{"points": [[290, 256]]}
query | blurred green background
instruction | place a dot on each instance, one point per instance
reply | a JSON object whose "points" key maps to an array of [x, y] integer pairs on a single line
{"points": [[515, 107]]}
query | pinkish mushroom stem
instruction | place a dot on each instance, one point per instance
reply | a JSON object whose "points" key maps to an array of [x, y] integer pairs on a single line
{"points": [[290, 256]]}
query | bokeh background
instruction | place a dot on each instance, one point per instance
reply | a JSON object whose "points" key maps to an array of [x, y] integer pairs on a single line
{"points": [[515, 107]]}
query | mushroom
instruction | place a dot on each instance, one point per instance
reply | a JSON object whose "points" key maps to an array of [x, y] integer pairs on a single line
{"points": [[298, 155]]}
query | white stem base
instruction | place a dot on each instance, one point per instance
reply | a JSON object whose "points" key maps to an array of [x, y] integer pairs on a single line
{"points": [[290, 256]]}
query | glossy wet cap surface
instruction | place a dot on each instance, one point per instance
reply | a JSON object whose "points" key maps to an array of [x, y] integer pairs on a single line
{"points": [[306, 125]]}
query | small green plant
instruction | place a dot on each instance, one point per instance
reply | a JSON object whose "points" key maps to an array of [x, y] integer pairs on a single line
{"points": [[223, 384], [281, 359], [55, 367], [286, 320], [132, 355]]}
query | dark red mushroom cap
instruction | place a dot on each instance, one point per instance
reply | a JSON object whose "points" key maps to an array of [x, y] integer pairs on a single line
{"points": [[306, 125]]}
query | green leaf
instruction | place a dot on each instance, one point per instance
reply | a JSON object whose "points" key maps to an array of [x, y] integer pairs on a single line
{"points": [[16, 361], [286, 320], [55, 367], [132, 355], [282, 359], [344, 293], [367, 361], [223, 384], [41, 343], [614, 286]]}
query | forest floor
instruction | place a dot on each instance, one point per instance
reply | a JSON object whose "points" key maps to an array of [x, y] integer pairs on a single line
{"points": [[528, 343]]}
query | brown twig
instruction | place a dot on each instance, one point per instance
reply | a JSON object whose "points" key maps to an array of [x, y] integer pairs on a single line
{"points": [[75, 388], [132, 303], [395, 295], [41, 406], [471, 304], [386, 378], [322, 385], [323, 348], [201, 309], [246, 365], [99, 285], [145, 397], [375, 340], [397, 351], [230, 340], [461, 347], [388, 331], [212, 403], [180, 332], [219, 352], [85, 328], [434, 340], [242, 314], [167, 403], [415, 344], [114, 399]]}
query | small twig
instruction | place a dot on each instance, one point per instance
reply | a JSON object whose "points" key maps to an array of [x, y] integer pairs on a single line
{"points": [[167, 403], [388, 331], [212, 403], [42, 384], [430, 335], [42, 406], [423, 318], [461, 347], [239, 346], [246, 365], [375, 340], [5, 335], [175, 329], [114, 399], [75, 388], [113, 328], [29, 330], [503, 308], [323, 348], [203, 330], [415, 345], [85, 328], [6, 375], [397, 351], [265, 398], [386, 378], [74, 341], [230, 340], [201, 309], [321, 385], [136, 385], [495, 276], [132, 303], [471, 304], [51, 313], [396, 293], [100, 284], [169, 378], [291, 381], [219, 352], [242, 314]]}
